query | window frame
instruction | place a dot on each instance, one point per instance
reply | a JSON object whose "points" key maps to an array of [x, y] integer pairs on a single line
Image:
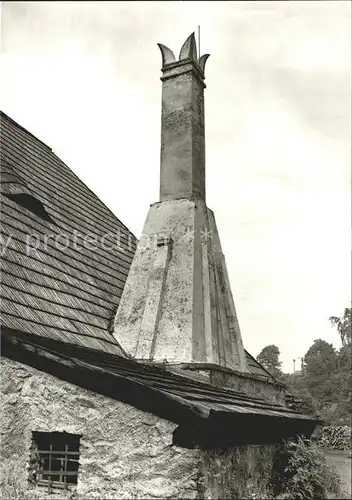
{"points": [[42, 459]]}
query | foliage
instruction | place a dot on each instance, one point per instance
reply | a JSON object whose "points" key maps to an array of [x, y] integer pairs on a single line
{"points": [[344, 326], [326, 380], [303, 399], [336, 437], [302, 473], [321, 363], [269, 358], [325, 384]]}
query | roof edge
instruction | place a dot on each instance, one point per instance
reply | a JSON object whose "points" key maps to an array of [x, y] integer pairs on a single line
{"points": [[211, 366], [16, 124]]}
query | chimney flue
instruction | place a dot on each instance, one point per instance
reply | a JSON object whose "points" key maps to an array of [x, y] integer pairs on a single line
{"points": [[182, 156]]}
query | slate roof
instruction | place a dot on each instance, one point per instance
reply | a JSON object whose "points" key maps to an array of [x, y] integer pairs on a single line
{"points": [[69, 294], [126, 379]]}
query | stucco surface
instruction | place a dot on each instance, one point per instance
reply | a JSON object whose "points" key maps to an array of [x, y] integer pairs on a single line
{"points": [[177, 304], [182, 166], [124, 453], [249, 384], [174, 306]]}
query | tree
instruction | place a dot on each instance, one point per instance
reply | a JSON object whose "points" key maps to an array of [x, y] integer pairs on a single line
{"points": [[344, 361], [320, 358], [344, 326], [326, 381], [321, 367], [269, 358]]}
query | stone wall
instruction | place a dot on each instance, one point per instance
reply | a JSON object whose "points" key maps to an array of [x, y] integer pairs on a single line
{"points": [[243, 472], [124, 452], [249, 384]]}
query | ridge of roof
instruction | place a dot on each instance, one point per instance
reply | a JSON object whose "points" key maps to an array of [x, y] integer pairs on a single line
{"points": [[52, 152], [11, 120]]}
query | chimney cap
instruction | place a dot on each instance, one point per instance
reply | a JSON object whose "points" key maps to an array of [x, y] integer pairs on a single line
{"points": [[188, 51]]}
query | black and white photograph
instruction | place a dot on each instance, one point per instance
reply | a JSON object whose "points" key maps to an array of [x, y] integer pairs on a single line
{"points": [[175, 250]]}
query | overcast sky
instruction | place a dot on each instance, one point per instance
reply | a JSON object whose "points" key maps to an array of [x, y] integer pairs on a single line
{"points": [[84, 78]]}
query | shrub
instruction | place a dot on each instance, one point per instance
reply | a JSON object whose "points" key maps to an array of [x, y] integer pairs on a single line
{"points": [[301, 472], [338, 438]]}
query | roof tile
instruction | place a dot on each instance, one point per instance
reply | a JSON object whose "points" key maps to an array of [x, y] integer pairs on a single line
{"points": [[65, 294]]}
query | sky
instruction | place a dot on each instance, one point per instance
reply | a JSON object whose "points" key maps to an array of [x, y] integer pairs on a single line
{"points": [[84, 78]]}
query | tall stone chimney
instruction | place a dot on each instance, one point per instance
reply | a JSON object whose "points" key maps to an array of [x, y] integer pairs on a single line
{"points": [[177, 303], [182, 169]]}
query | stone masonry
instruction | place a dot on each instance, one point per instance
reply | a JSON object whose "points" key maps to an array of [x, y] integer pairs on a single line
{"points": [[124, 452]]}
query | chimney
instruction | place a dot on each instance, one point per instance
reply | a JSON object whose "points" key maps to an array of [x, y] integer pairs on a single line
{"points": [[177, 303], [182, 166]]}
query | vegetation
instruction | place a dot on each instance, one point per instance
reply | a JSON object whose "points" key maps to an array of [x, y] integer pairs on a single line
{"points": [[302, 473], [344, 326], [324, 382], [299, 471], [269, 358], [337, 438]]}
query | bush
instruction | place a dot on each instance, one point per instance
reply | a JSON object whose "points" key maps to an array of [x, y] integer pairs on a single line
{"points": [[337, 438], [301, 472]]}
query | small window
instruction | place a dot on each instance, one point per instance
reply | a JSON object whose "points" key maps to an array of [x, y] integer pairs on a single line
{"points": [[30, 203], [55, 459]]}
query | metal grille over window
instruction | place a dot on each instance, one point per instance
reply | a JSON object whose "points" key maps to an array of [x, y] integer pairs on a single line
{"points": [[55, 459]]}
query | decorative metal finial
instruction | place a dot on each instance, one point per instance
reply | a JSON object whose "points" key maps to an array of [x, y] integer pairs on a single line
{"points": [[188, 51]]}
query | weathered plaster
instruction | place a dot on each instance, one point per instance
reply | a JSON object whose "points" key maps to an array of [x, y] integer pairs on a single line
{"points": [[182, 158], [124, 453], [181, 293], [249, 384]]}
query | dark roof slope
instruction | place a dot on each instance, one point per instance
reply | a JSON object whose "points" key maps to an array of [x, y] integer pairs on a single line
{"points": [[255, 367], [53, 284], [250, 419]]}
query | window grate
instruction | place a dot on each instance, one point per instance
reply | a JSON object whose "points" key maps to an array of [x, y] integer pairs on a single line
{"points": [[55, 458]]}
